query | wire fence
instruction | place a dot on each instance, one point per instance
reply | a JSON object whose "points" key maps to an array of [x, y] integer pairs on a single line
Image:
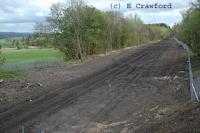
{"points": [[194, 84]]}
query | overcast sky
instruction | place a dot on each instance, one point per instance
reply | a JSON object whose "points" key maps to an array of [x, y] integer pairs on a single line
{"points": [[21, 15]]}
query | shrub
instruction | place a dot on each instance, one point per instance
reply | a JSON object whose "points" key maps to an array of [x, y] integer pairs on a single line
{"points": [[19, 46], [25, 46]]}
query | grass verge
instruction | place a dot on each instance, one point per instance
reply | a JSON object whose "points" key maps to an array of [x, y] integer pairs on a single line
{"points": [[9, 74]]}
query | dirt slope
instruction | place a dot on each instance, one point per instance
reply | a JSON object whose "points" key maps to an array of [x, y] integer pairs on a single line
{"points": [[127, 95]]}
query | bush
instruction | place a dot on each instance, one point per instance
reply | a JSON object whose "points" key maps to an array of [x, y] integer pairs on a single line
{"points": [[25, 46], [19, 46]]}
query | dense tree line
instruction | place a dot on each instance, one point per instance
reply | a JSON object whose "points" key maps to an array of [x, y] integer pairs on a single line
{"points": [[20, 43], [189, 29], [80, 30]]}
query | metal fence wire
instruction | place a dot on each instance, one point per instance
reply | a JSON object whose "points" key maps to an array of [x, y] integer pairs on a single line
{"points": [[194, 92]]}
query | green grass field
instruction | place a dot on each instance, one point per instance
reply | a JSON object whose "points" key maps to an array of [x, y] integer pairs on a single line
{"points": [[29, 54], [25, 59], [10, 74]]}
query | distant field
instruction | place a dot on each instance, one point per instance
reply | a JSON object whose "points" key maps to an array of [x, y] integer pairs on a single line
{"points": [[29, 58]]}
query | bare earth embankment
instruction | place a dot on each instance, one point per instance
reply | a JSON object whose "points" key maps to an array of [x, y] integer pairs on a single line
{"points": [[144, 89]]}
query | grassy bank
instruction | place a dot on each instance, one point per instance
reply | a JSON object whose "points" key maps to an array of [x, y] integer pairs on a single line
{"points": [[19, 60]]}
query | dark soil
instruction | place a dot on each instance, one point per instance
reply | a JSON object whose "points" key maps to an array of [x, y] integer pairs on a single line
{"points": [[142, 89], [185, 118]]}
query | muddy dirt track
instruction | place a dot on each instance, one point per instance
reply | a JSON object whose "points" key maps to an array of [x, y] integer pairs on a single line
{"points": [[137, 91]]}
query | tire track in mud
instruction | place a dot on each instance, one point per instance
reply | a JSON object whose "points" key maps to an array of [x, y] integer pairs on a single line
{"points": [[133, 75], [116, 73], [154, 87], [128, 70], [124, 86], [23, 113], [99, 83]]}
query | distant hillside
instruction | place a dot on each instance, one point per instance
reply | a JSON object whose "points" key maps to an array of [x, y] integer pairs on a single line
{"points": [[12, 34]]}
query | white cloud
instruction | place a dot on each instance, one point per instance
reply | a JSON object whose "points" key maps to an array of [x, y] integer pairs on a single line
{"points": [[39, 14], [24, 13]]}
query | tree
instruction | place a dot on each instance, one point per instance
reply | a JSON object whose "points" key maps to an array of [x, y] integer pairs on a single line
{"points": [[76, 27], [13, 43], [80, 30], [189, 29], [42, 34]]}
